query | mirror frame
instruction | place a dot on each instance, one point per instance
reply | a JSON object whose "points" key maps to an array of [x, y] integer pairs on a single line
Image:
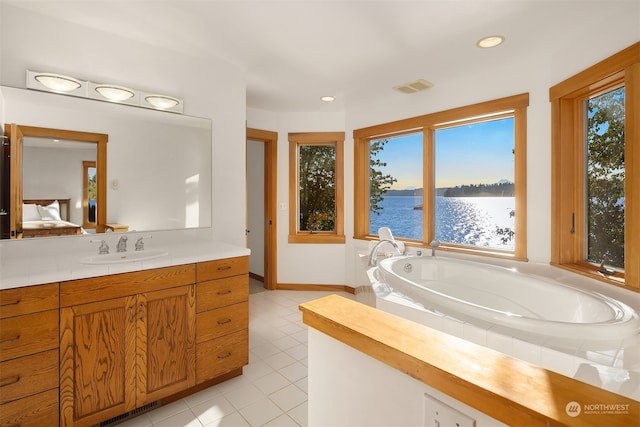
{"points": [[100, 140]]}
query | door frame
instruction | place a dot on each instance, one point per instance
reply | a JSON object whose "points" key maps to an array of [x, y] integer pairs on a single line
{"points": [[270, 140]]}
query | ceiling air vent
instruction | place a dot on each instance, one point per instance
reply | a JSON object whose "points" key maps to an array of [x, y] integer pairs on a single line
{"points": [[414, 87]]}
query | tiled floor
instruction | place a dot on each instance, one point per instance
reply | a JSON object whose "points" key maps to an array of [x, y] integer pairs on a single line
{"points": [[273, 388]]}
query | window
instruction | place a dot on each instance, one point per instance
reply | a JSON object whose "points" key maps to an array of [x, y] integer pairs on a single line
{"points": [[457, 176], [316, 190], [596, 170]]}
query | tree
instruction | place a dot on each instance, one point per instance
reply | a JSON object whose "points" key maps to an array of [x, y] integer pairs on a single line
{"points": [[317, 174], [379, 183], [605, 177]]}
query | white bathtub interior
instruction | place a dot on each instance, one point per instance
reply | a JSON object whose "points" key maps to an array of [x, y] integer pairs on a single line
{"points": [[612, 364]]}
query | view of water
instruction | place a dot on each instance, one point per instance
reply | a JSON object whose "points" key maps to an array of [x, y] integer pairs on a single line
{"points": [[461, 220]]}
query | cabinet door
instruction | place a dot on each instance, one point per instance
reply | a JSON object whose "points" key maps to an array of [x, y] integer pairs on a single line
{"points": [[166, 343], [97, 361]]}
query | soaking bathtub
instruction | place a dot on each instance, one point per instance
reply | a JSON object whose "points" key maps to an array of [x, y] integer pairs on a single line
{"points": [[503, 296]]}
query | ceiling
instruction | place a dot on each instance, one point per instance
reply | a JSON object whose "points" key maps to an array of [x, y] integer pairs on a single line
{"points": [[295, 51]]}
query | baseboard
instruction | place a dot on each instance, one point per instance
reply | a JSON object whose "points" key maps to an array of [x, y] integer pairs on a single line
{"points": [[256, 276], [310, 287]]}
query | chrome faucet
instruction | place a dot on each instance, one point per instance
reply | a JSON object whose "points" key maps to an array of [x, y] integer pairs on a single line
{"points": [[121, 246], [374, 251], [434, 244], [604, 269], [139, 244], [104, 248]]}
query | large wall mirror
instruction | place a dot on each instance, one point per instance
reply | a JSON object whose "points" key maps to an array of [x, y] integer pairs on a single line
{"points": [[153, 174]]}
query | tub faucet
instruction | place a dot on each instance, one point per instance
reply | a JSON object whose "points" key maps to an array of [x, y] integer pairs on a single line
{"points": [[139, 244], [121, 246], [374, 251], [434, 244], [104, 248], [604, 269]]}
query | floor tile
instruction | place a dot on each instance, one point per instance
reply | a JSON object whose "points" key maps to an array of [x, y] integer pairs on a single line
{"points": [[244, 396], [282, 421], [294, 372], [213, 409], [167, 411], [232, 420], [261, 412], [300, 414], [289, 397], [271, 382], [182, 419], [279, 360]]}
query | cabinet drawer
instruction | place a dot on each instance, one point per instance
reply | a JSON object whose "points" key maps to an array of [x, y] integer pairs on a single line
{"points": [[30, 299], [28, 375], [218, 293], [222, 355], [222, 321], [33, 411], [217, 269], [33, 333]]}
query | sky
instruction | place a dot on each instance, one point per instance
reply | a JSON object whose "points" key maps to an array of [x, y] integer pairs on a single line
{"points": [[480, 153]]}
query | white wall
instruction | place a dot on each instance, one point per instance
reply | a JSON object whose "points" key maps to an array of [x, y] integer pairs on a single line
{"points": [[210, 88], [350, 388], [503, 77], [39, 164], [255, 206], [302, 263]]}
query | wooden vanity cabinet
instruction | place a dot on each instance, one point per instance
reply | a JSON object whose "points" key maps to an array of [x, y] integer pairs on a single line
{"points": [[126, 340], [29, 356], [222, 333]]}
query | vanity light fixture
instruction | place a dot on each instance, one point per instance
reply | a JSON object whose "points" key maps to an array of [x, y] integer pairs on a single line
{"points": [[490, 41], [115, 93], [66, 85], [328, 98], [58, 82], [162, 102]]}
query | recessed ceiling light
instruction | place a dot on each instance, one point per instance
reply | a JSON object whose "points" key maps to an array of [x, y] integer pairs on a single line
{"points": [[490, 41], [328, 98]]}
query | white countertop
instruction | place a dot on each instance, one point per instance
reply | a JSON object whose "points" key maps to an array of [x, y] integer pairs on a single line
{"points": [[55, 260]]}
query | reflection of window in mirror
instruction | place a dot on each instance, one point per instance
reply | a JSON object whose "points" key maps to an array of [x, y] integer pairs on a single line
{"points": [[89, 191]]}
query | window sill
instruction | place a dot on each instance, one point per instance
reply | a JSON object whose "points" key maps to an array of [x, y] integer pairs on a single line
{"points": [[588, 270], [492, 253], [316, 238]]}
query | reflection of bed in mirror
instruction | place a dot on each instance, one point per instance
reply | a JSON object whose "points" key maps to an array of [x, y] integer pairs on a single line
{"points": [[47, 217]]}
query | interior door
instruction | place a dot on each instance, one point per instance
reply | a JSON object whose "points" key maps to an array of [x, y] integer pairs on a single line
{"points": [[15, 182]]}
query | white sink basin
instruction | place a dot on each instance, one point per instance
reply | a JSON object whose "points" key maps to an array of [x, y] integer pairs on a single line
{"points": [[120, 257]]}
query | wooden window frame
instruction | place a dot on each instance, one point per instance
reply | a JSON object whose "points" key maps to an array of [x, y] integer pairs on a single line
{"points": [[568, 231], [514, 105], [316, 138]]}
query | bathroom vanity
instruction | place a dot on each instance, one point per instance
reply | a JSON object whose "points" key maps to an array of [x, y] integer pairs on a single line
{"points": [[86, 350]]}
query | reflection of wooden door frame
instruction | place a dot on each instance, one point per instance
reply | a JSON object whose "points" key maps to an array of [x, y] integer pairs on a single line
{"points": [[100, 140], [270, 140], [15, 181]]}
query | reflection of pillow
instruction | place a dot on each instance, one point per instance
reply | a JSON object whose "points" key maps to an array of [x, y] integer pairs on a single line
{"points": [[50, 212], [30, 212]]}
